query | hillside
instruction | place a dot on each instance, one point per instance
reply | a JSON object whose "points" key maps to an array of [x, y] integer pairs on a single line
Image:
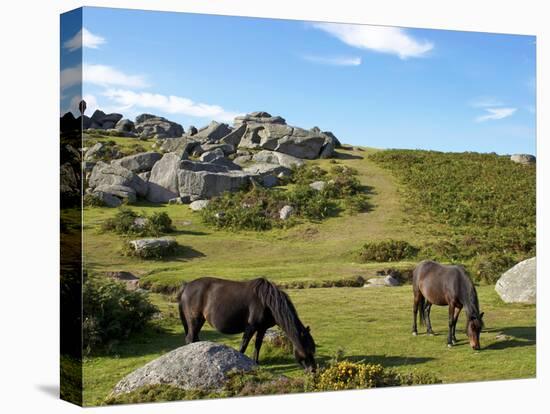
{"points": [[371, 325]]}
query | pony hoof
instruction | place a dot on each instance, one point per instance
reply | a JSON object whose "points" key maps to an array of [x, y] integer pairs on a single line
{"points": [[430, 334], [449, 345], [414, 333]]}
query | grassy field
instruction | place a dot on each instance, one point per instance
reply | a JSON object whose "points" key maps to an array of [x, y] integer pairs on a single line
{"points": [[368, 324]]}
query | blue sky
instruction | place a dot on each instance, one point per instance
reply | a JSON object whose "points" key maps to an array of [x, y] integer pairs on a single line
{"points": [[375, 86]]}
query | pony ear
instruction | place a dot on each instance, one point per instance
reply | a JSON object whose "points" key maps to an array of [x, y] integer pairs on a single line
{"points": [[481, 315], [308, 329]]}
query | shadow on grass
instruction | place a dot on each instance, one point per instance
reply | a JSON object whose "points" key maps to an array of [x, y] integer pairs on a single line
{"points": [[344, 156], [516, 336], [384, 360], [188, 233]]}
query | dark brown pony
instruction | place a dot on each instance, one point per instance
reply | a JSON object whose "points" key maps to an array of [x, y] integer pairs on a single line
{"points": [[441, 285], [250, 306]]}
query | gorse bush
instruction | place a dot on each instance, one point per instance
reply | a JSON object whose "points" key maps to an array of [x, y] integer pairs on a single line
{"points": [[487, 202], [387, 251], [111, 313], [346, 375], [130, 223], [258, 208]]}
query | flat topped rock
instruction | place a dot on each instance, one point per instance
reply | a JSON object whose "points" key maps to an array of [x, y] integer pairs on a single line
{"points": [[519, 283], [197, 366]]}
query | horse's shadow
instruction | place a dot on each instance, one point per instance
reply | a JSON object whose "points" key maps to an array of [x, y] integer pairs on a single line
{"points": [[516, 336]]}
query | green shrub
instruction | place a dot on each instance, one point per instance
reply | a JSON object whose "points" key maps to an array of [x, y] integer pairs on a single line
{"points": [[125, 222], [387, 251], [90, 200], [307, 173], [489, 267], [159, 223], [111, 313]]}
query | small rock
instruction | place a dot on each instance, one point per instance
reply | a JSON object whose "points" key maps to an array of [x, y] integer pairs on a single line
{"points": [[286, 212], [198, 205], [318, 185], [129, 279]]}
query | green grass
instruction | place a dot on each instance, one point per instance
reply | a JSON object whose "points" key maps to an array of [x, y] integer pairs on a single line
{"points": [[371, 325], [308, 251]]}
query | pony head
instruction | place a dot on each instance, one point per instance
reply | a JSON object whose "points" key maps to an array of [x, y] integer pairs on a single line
{"points": [[473, 329], [305, 351]]}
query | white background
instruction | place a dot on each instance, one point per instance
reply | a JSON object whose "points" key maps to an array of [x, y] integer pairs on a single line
{"points": [[29, 68]]}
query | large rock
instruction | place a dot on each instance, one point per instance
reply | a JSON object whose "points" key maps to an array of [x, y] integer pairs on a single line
{"points": [[184, 146], [234, 137], [212, 133], [119, 191], [125, 125], [272, 157], [277, 136], [205, 184], [148, 126], [525, 159], [101, 120], [108, 199], [163, 181], [139, 162], [197, 366], [112, 174], [519, 284]]}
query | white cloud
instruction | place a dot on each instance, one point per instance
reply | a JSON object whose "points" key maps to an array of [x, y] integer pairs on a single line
{"points": [[392, 40], [336, 61], [106, 76], [128, 100], [101, 75], [84, 38], [496, 113], [70, 77], [485, 102]]}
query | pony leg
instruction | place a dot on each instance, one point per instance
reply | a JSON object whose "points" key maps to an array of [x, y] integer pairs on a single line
{"points": [[259, 339], [195, 326], [455, 320], [451, 324], [247, 336], [417, 302], [427, 311]]}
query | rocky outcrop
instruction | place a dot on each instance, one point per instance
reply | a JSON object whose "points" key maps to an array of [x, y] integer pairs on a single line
{"points": [[139, 163], [206, 184], [104, 174], [163, 181], [519, 284], [198, 205], [149, 126], [212, 133], [125, 125], [272, 133], [101, 120], [525, 159], [197, 366]]}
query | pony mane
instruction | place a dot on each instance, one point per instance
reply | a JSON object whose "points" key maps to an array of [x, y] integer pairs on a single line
{"points": [[471, 302], [283, 312]]}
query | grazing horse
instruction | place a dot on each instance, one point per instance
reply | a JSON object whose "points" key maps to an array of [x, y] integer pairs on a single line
{"points": [[438, 284], [250, 306]]}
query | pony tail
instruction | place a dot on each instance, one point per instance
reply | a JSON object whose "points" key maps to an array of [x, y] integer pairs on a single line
{"points": [[179, 295]]}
